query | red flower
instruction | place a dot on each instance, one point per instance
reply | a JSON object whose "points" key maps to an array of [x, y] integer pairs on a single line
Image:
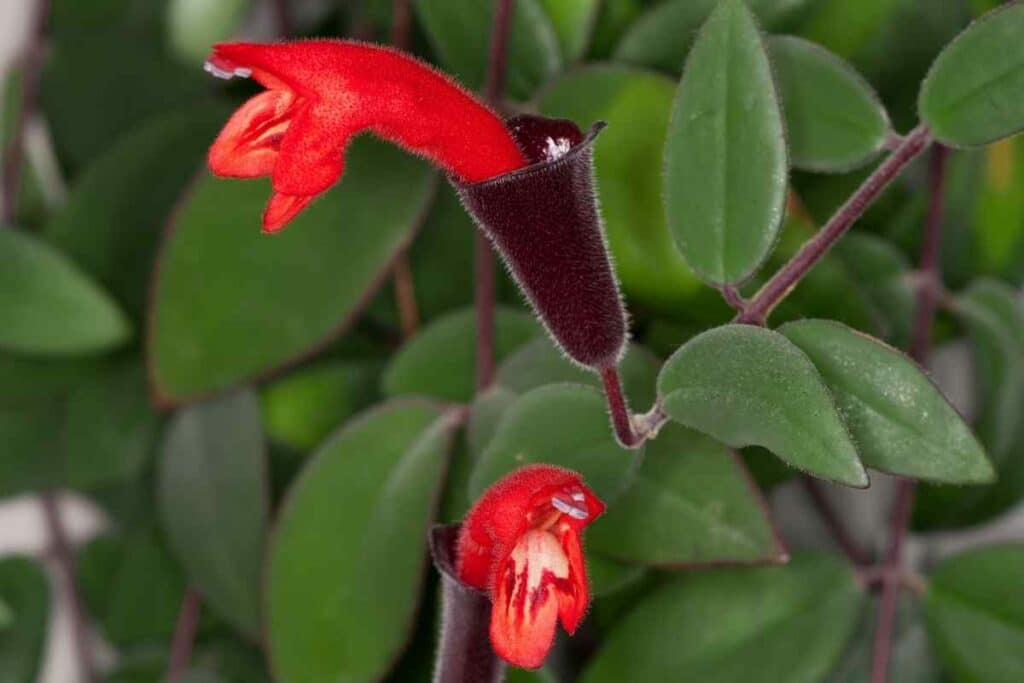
{"points": [[521, 542], [320, 93]]}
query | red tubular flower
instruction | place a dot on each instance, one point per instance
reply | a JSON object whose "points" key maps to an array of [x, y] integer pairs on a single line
{"points": [[321, 93], [521, 543]]}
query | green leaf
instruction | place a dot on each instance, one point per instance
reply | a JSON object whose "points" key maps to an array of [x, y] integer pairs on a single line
{"points": [[212, 488], [694, 503], [834, 120], [231, 304], [48, 306], [194, 25], [901, 422], [301, 409], [117, 209], [348, 554], [974, 92], [725, 155], [485, 416], [559, 424], [763, 625], [573, 21], [750, 386], [132, 587], [607, 576], [538, 363], [440, 361], [996, 222], [93, 426], [459, 31], [975, 613], [627, 157], [664, 34], [26, 591]]}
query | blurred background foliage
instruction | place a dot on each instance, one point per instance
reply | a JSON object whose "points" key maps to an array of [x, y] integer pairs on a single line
{"points": [[196, 379]]}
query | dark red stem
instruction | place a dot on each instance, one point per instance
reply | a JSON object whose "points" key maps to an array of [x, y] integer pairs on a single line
{"points": [[622, 419], [840, 533], [486, 267], [31, 66], [283, 18], [920, 346], [778, 287], [401, 23], [64, 555], [184, 635], [401, 273]]}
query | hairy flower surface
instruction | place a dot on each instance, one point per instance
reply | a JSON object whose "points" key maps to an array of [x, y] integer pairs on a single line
{"points": [[321, 93], [522, 543]]}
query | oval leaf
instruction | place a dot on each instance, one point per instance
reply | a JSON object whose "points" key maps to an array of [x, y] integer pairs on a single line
{"points": [[695, 503], [47, 306], [440, 361], [748, 386], [751, 626], [25, 591], [212, 489], [459, 31], [974, 92], [559, 424], [900, 420], [834, 119], [627, 157], [975, 612], [344, 580], [725, 156], [573, 21], [231, 303]]}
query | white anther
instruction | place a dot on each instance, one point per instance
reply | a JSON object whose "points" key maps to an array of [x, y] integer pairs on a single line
{"points": [[566, 508], [556, 149], [579, 497], [216, 71]]}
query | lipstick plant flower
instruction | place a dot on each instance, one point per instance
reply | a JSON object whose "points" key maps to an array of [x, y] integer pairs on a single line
{"points": [[322, 93], [522, 543], [528, 182]]}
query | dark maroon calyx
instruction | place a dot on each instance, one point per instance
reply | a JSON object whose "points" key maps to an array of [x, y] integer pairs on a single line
{"points": [[543, 220]]}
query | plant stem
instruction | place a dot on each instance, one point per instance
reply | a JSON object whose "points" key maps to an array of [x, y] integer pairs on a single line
{"points": [[283, 18], [64, 555], [184, 635], [842, 536], [783, 282], [486, 268], [927, 293], [401, 273], [622, 419], [31, 65]]}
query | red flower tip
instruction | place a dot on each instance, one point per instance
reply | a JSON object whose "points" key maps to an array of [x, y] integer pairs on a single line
{"points": [[522, 543], [321, 93]]}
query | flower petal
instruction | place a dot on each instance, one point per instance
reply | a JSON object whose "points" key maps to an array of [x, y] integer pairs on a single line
{"points": [[248, 145], [526, 599], [312, 152], [573, 600], [282, 208]]}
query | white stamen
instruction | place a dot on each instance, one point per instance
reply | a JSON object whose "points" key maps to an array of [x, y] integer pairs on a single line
{"points": [[579, 497], [568, 509], [217, 72], [556, 149]]}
